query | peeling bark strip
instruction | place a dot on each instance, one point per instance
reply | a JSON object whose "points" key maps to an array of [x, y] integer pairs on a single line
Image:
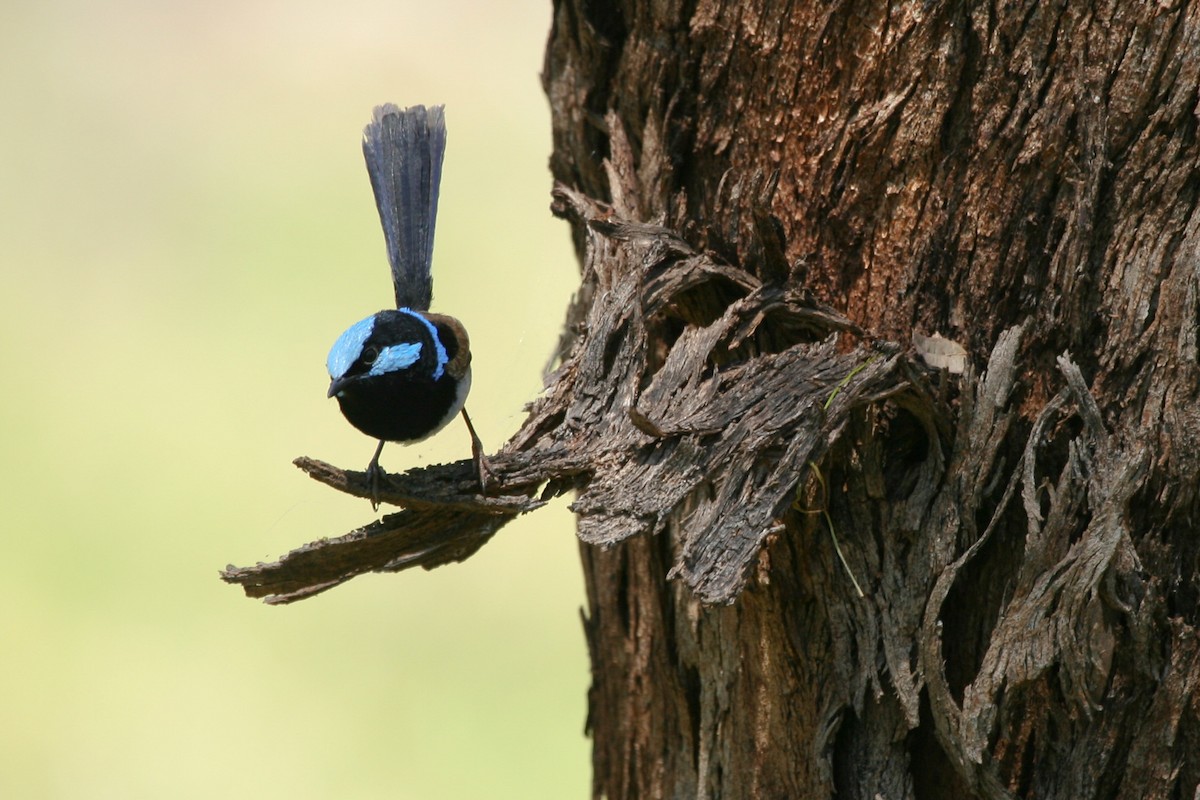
{"points": [[726, 420], [1078, 586], [444, 522]]}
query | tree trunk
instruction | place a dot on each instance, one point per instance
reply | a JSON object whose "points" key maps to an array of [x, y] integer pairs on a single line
{"points": [[1020, 177]]}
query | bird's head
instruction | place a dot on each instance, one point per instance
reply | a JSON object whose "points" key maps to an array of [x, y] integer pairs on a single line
{"points": [[398, 344]]}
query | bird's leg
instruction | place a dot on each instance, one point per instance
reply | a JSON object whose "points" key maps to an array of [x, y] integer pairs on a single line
{"points": [[375, 475], [481, 468]]}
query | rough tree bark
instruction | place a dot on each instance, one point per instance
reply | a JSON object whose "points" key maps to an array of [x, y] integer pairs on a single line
{"points": [[1021, 177], [816, 565]]}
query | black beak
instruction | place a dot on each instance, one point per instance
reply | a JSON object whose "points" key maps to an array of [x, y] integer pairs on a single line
{"points": [[336, 386]]}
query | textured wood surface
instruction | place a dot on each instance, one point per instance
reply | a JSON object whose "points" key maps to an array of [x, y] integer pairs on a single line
{"points": [[1021, 178]]}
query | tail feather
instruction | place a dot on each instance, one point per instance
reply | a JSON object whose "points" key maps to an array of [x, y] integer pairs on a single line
{"points": [[404, 150]]}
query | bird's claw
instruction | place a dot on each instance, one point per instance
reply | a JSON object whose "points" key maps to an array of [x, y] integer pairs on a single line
{"points": [[482, 471], [375, 477], [481, 468]]}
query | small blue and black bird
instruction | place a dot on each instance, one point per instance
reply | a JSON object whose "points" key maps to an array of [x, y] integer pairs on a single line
{"points": [[402, 375]]}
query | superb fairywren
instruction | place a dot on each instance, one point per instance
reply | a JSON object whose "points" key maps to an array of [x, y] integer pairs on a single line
{"points": [[402, 375]]}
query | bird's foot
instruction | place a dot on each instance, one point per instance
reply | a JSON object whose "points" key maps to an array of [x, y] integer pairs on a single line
{"points": [[375, 477], [481, 468]]}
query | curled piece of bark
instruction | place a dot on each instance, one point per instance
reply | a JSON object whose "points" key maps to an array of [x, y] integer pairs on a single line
{"points": [[444, 522]]}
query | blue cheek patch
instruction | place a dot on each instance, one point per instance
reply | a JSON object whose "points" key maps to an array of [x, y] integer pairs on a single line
{"points": [[348, 347], [396, 357], [442, 358]]}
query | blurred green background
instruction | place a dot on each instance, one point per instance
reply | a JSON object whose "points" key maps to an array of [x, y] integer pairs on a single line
{"points": [[185, 227]]}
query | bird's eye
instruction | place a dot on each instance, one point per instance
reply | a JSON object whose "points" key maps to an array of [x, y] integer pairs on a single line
{"points": [[369, 354]]}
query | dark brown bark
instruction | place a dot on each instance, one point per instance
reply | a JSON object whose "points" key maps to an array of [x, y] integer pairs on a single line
{"points": [[1021, 178]]}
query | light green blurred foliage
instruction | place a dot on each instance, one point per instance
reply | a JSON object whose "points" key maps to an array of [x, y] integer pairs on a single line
{"points": [[185, 227]]}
